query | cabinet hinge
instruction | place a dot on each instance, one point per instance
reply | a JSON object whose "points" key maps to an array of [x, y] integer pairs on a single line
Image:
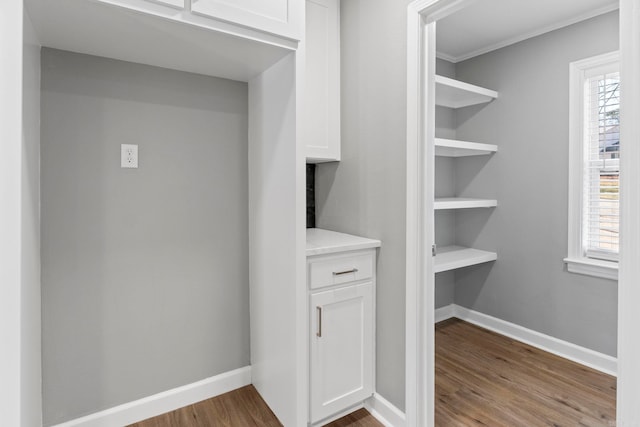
{"points": [[433, 250]]}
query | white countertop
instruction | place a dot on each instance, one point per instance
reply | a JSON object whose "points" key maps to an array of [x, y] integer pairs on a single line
{"points": [[321, 241]]}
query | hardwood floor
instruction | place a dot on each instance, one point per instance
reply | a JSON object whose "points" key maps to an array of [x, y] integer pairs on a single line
{"points": [[240, 408], [483, 378], [359, 418]]}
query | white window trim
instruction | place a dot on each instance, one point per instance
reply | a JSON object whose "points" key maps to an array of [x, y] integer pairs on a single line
{"points": [[576, 261]]}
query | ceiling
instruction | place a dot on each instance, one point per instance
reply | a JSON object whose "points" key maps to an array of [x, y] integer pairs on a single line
{"points": [[486, 25]]}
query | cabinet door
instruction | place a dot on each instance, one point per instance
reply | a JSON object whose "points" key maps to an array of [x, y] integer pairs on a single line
{"points": [[342, 346], [280, 17], [179, 4], [321, 116]]}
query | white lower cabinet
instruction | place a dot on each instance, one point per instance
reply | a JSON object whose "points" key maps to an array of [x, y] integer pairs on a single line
{"points": [[342, 340]]}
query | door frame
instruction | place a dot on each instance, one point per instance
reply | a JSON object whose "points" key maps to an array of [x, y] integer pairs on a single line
{"points": [[628, 411], [420, 278], [11, 39]]}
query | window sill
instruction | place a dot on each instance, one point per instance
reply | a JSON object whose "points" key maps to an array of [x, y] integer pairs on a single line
{"points": [[593, 267]]}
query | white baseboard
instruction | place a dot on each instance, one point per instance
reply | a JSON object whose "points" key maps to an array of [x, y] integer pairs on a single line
{"points": [[444, 313], [384, 411], [584, 356], [338, 415], [166, 401]]}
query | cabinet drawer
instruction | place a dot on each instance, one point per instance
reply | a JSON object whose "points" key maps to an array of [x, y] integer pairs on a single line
{"points": [[335, 271]]}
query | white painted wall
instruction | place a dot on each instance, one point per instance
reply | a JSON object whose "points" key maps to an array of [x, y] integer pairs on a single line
{"points": [[11, 209], [276, 243], [31, 371]]}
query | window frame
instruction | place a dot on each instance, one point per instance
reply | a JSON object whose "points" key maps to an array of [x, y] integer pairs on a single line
{"points": [[577, 261]]}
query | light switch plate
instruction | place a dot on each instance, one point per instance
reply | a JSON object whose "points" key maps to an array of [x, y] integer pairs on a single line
{"points": [[129, 156]]}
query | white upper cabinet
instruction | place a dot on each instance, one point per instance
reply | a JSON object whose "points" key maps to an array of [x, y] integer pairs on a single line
{"points": [[279, 17], [321, 115], [163, 33], [175, 3]]}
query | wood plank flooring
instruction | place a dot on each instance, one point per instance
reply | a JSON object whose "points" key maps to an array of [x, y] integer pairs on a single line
{"points": [[240, 408], [359, 418], [486, 379], [482, 379]]}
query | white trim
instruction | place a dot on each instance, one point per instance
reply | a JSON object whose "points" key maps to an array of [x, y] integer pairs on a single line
{"points": [[385, 412], [420, 276], [11, 321], [415, 383], [166, 401], [338, 415], [446, 57], [593, 267], [419, 355], [584, 356], [540, 31], [628, 410], [444, 313]]}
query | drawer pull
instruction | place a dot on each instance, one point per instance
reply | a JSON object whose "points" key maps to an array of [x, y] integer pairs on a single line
{"points": [[340, 273], [319, 333]]}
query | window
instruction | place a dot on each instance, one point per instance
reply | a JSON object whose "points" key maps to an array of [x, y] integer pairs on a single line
{"points": [[594, 166]]}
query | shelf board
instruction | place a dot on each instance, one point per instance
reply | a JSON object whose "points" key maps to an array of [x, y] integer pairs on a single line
{"points": [[463, 203], [453, 257], [455, 148], [456, 94]]}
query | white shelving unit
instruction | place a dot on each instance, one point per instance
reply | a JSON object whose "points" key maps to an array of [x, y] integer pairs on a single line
{"points": [[463, 203], [454, 257], [455, 148], [456, 94]]}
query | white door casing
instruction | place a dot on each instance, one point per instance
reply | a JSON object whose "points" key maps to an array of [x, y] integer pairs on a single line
{"points": [[422, 15]]}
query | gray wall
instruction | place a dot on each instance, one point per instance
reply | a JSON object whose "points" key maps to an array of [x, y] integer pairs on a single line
{"points": [[529, 284], [144, 271], [31, 390], [364, 194]]}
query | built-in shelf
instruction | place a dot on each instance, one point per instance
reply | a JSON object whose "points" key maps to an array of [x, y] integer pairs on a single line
{"points": [[463, 203], [456, 94], [453, 257], [455, 148]]}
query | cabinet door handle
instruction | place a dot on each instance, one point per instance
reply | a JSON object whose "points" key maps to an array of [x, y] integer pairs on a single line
{"points": [[319, 332], [340, 273]]}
